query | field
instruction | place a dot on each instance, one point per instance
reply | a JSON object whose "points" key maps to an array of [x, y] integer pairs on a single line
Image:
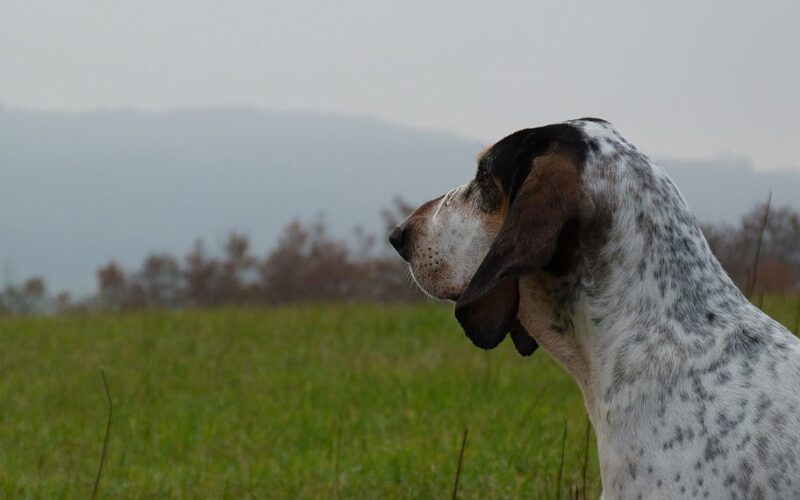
{"points": [[311, 402]]}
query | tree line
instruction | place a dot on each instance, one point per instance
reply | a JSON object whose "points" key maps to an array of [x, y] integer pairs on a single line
{"points": [[308, 264], [762, 252]]}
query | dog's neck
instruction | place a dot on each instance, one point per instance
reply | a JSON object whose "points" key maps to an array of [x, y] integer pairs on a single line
{"points": [[648, 299]]}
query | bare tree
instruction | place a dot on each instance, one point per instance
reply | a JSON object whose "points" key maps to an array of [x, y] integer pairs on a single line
{"points": [[28, 298], [160, 281], [238, 278], [111, 285], [201, 274], [779, 259]]}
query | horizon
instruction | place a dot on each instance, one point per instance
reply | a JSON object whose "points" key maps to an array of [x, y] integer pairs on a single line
{"points": [[85, 181]]}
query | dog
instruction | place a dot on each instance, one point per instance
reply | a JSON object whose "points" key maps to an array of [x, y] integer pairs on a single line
{"points": [[571, 239]]}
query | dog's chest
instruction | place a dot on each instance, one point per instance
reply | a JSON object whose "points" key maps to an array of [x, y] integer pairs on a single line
{"points": [[732, 432]]}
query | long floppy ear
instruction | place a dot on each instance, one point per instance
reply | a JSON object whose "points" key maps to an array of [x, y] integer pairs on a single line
{"points": [[546, 200], [524, 343]]}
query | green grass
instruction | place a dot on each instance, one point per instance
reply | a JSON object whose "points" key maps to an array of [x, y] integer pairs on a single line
{"points": [[312, 402]]}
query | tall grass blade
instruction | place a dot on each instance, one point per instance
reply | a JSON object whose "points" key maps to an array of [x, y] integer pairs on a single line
{"points": [[585, 467], [561, 462], [460, 464], [336, 456], [105, 439], [752, 286]]}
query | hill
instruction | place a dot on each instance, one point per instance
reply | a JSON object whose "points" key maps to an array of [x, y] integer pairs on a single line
{"points": [[81, 188]]}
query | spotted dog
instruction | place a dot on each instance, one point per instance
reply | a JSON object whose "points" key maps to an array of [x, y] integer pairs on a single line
{"points": [[571, 238]]}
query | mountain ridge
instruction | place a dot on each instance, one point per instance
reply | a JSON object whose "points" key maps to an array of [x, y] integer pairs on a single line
{"points": [[81, 188]]}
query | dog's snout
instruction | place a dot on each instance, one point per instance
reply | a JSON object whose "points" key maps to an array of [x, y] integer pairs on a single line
{"points": [[399, 240]]}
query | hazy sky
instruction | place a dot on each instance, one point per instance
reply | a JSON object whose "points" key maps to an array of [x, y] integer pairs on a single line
{"points": [[680, 78]]}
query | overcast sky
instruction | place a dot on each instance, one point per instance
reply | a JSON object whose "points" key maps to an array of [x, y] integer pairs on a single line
{"points": [[681, 78]]}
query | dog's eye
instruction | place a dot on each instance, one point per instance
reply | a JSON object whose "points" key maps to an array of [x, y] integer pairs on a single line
{"points": [[470, 190], [483, 167]]}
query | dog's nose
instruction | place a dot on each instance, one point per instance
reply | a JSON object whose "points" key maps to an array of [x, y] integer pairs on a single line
{"points": [[399, 241]]}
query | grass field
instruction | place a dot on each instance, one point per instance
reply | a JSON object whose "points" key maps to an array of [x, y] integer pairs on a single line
{"points": [[311, 402]]}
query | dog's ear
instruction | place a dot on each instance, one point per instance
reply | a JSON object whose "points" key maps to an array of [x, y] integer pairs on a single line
{"points": [[523, 342], [547, 195]]}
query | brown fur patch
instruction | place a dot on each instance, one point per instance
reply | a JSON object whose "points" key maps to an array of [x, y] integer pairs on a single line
{"points": [[549, 197]]}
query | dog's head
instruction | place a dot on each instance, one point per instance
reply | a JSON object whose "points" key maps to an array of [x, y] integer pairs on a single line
{"points": [[519, 215]]}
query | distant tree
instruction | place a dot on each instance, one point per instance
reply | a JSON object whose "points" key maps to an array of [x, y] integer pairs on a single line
{"points": [[160, 281], [63, 302], [776, 275], [238, 279], [309, 265], [35, 288], [279, 272], [112, 287], [779, 259], [28, 298], [202, 275]]}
